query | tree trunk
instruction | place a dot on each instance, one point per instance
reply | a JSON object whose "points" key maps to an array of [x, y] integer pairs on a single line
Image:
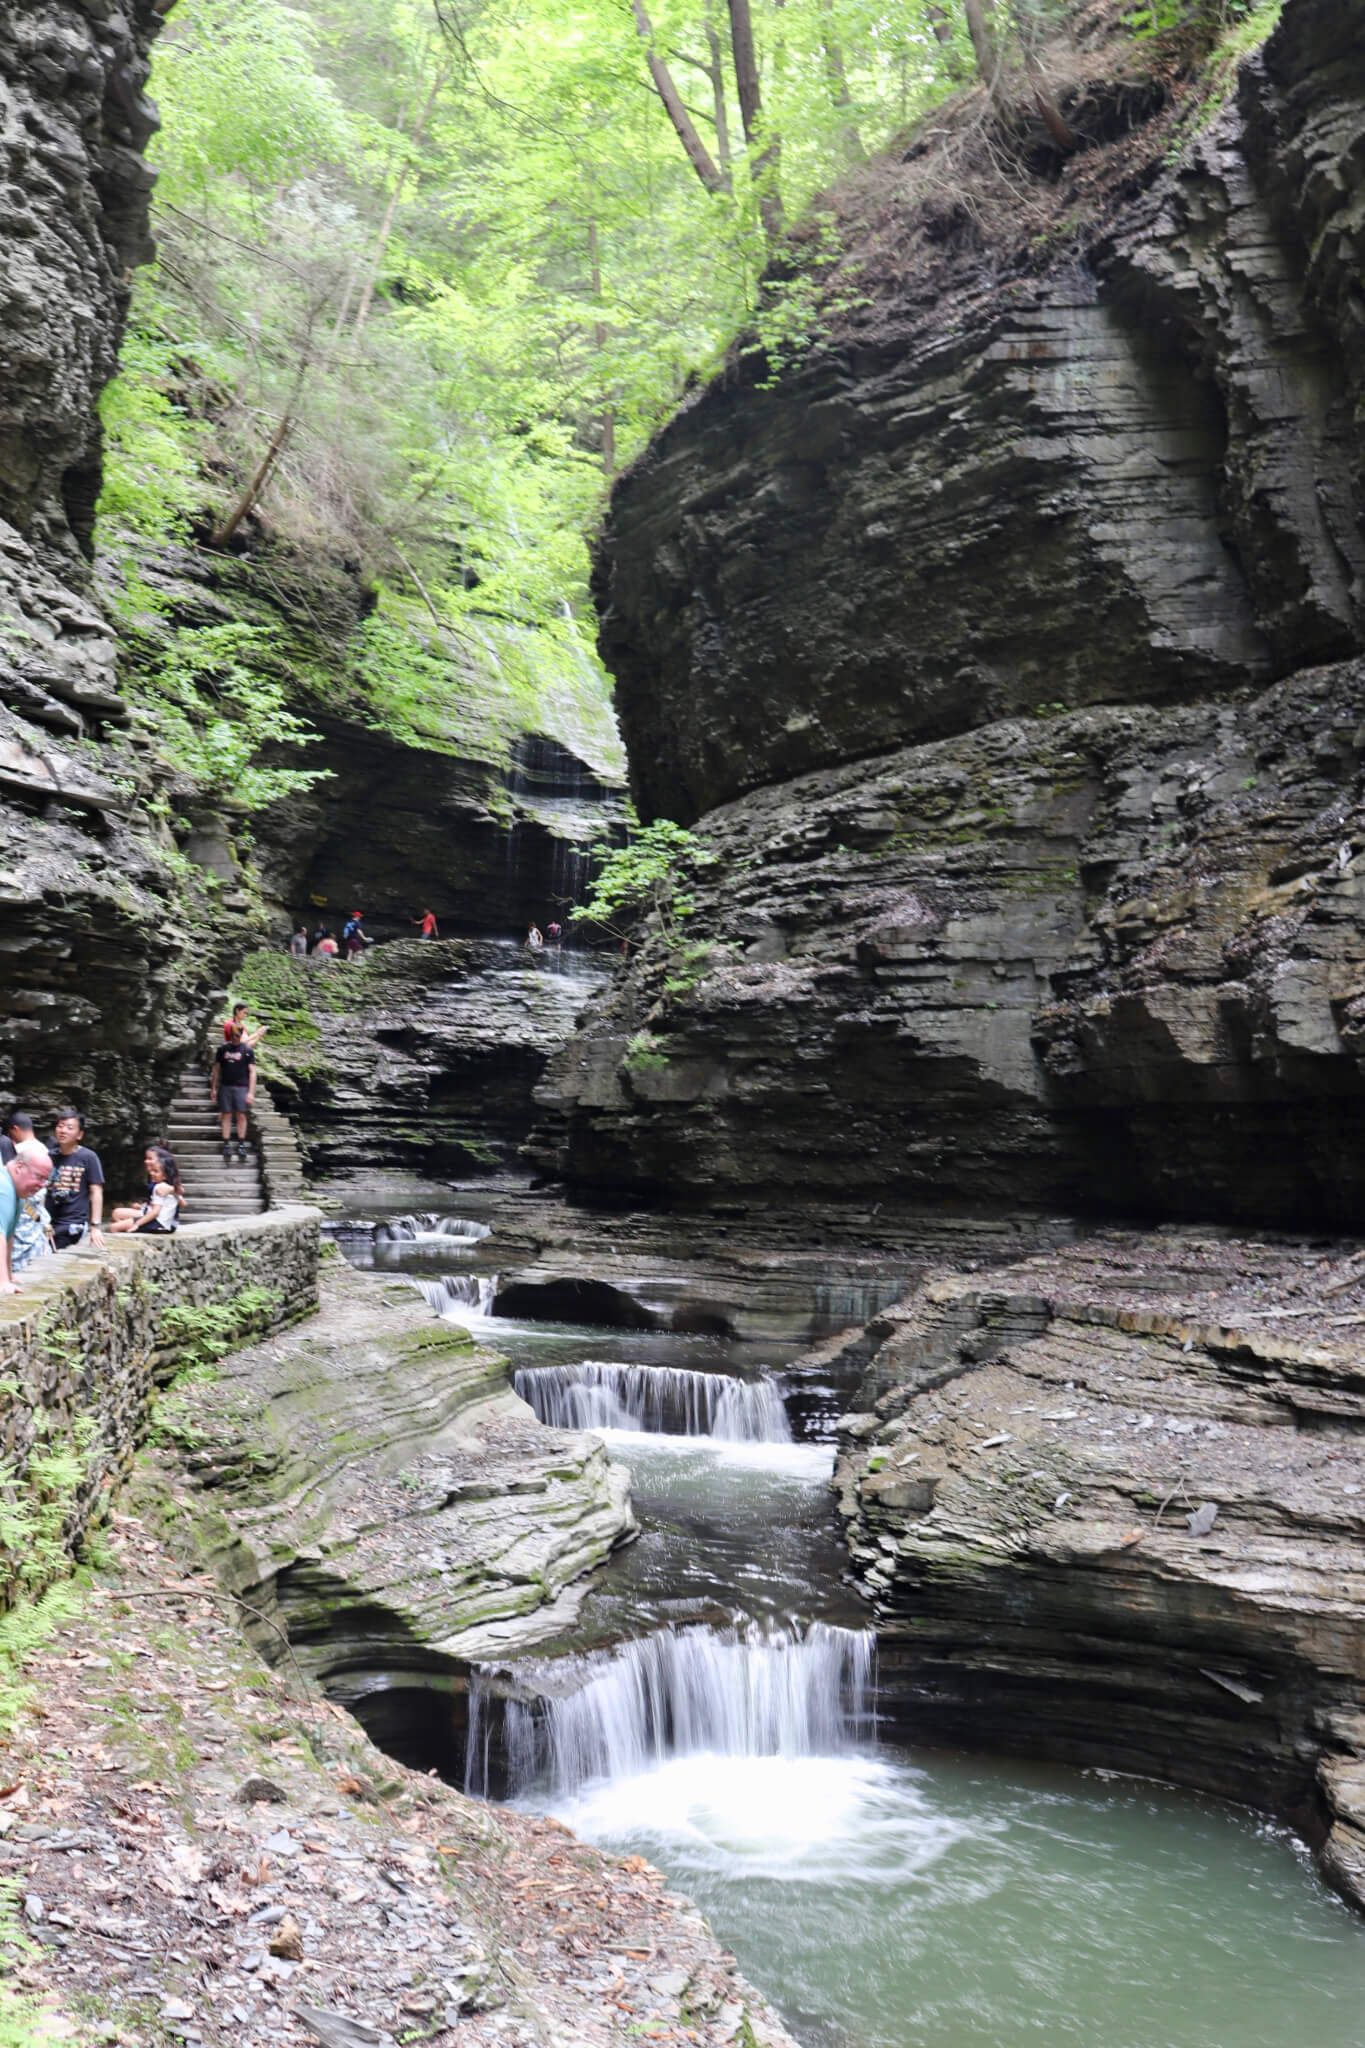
{"points": [[261, 476], [838, 88], [763, 168], [721, 113], [599, 336], [941, 22], [983, 41], [698, 155], [390, 211]]}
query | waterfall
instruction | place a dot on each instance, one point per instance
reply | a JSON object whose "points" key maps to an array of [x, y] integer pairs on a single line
{"points": [[461, 1297], [696, 1691], [413, 1229], [664, 1399]]}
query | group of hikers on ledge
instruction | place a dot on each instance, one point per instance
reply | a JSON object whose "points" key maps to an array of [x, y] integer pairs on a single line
{"points": [[354, 938], [52, 1194]]}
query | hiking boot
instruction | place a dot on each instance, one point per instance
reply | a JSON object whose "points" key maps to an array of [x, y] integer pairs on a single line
{"points": [[227, 1153], [241, 1151]]}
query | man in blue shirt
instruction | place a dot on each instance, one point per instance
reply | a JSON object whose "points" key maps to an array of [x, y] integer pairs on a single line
{"points": [[20, 1177]]}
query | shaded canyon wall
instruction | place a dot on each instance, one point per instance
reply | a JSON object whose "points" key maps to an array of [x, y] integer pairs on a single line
{"points": [[1007, 648]]}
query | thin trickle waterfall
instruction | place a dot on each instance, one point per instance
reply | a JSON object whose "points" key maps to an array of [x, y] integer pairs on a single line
{"points": [[763, 1692], [463, 1297], [665, 1399], [412, 1229]]}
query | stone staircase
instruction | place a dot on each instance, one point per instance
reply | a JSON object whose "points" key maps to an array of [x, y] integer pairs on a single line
{"points": [[213, 1191]]}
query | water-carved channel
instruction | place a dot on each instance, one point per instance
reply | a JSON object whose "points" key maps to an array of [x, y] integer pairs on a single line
{"points": [[716, 1711]]}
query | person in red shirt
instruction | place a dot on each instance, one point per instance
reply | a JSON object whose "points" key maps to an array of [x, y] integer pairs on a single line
{"points": [[427, 923]]}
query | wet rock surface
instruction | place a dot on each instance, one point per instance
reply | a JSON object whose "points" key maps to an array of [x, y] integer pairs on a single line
{"points": [[769, 1275], [109, 957], [1106, 1506], [370, 1483], [207, 1852]]}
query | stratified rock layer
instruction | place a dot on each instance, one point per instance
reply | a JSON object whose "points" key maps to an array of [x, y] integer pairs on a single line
{"points": [[371, 1483], [422, 1054], [1132, 478], [1108, 960], [1107, 1507], [1007, 646]]}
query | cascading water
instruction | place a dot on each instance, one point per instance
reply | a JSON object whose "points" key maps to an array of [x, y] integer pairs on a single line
{"points": [[881, 1898], [461, 1297], [430, 1228], [775, 1692], [663, 1399]]}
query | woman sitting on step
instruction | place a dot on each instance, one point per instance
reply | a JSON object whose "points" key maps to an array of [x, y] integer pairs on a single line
{"points": [[156, 1217]]}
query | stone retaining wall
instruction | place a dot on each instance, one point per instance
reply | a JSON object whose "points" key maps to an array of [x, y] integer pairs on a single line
{"points": [[84, 1344]]}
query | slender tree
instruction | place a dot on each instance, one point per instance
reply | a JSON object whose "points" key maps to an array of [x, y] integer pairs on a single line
{"points": [[765, 152], [698, 155]]}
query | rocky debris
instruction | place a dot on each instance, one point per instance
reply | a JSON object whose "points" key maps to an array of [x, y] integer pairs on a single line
{"points": [[162, 1910], [1107, 1506], [1119, 464], [1108, 960], [372, 1490]]}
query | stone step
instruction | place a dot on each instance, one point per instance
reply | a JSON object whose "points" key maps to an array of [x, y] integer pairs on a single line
{"points": [[206, 1148]]}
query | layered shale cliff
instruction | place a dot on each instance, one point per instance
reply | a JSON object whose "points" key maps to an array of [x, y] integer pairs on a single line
{"points": [[1006, 646], [109, 952]]}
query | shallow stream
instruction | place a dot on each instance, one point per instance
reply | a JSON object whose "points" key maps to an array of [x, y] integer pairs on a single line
{"points": [[716, 1712]]}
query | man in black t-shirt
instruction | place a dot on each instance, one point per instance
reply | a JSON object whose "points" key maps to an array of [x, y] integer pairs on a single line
{"points": [[75, 1193], [234, 1088]]}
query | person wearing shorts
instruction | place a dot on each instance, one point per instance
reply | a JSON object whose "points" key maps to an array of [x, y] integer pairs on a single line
{"points": [[234, 1089]]}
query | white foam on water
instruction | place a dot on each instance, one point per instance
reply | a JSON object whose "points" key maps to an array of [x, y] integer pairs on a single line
{"points": [[432, 1228], [465, 1298], [812, 1464], [827, 1820]]}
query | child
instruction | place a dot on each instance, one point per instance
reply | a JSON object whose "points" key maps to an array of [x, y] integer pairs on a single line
{"points": [[156, 1217]]}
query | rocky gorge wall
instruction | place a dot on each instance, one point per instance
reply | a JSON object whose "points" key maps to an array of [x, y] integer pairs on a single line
{"points": [[1104, 1505], [423, 1055], [128, 894], [110, 946], [1007, 647]]}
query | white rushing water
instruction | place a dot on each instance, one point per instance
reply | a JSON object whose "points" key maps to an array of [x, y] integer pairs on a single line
{"points": [[662, 1399], [461, 1297], [695, 1692], [451, 1231]]}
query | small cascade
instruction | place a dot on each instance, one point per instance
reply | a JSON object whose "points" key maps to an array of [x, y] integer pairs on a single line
{"points": [[461, 1297], [431, 1227], [698, 1691], [663, 1399]]}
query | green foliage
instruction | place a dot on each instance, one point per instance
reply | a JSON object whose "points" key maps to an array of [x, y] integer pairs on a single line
{"points": [[248, 99], [645, 1053], [691, 963], [203, 1335], [214, 704], [152, 484], [455, 262], [282, 992], [647, 874], [25, 1628]]}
